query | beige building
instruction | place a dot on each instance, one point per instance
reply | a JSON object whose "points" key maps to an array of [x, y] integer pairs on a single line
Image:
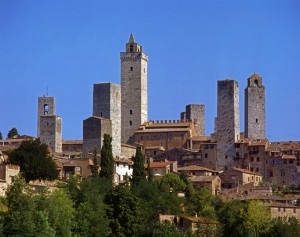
{"points": [[213, 183], [280, 210], [7, 174], [236, 177], [160, 169]]}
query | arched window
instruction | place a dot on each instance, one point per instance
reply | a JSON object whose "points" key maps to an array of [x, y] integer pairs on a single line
{"points": [[46, 109], [131, 48], [255, 83], [131, 68]]}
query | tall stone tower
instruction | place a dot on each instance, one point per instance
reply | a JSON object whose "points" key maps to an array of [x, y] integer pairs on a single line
{"points": [[46, 106], [228, 121], [134, 93], [49, 124], [107, 104], [255, 108], [196, 113]]}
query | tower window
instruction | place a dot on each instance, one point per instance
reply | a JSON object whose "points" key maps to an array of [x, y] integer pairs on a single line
{"points": [[130, 122], [131, 48], [144, 69], [100, 114], [255, 83], [256, 120], [131, 68], [46, 109], [130, 111]]}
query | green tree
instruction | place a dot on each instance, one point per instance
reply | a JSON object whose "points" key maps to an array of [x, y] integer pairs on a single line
{"points": [[123, 212], [95, 166], [138, 173], [150, 171], [285, 227], [107, 160], [34, 161], [172, 182], [165, 229], [258, 218], [13, 132], [1, 137]]}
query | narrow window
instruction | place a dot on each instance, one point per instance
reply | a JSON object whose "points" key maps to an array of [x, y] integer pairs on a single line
{"points": [[130, 111], [46, 109], [205, 155], [130, 123], [100, 114], [255, 83], [256, 120], [144, 70], [257, 159], [131, 48], [131, 68]]}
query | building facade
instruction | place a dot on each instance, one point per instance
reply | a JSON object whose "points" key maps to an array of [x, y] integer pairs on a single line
{"points": [[134, 92], [255, 108]]}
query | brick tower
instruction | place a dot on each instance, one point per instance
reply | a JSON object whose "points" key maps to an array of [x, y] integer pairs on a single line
{"points": [[228, 121], [255, 108], [134, 93]]}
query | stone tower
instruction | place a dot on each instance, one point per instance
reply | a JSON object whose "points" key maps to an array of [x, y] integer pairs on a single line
{"points": [[107, 104], [134, 93], [196, 113], [49, 124], [255, 108], [228, 121], [46, 106]]}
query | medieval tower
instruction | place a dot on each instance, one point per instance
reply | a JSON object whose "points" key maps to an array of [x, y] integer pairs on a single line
{"points": [[49, 124], [228, 121], [107, 104], [196, 114], [134, 94], [255, 109]]}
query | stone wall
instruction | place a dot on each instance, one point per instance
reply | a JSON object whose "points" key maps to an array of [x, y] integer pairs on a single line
{"points": [[228, 122], [255, 109], [196, 113], [94, 129], [107, 104], [51, 132], [134, 99]]}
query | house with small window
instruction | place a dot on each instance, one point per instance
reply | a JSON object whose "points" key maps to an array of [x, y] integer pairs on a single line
{"points": [[237, 177], [7, 174], [282, 210], [160, 169], [123, 170]]}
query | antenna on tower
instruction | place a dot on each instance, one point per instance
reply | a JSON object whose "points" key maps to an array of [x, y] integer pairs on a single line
{"points": [[47, 91]]}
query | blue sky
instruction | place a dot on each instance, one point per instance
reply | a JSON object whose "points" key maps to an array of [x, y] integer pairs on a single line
{"points": [[67, 46]]}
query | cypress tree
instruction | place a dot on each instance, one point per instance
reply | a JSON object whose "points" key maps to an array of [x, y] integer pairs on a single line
{"points": [[150, 172], [139, 173], [95, 167], [107, 160]]}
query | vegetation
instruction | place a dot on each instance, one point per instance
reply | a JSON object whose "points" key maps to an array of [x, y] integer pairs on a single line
{"points": [[34, 160], [92, 207], [107, 161], [1, 137], [139, 173], [13, 132], [95, 166]]}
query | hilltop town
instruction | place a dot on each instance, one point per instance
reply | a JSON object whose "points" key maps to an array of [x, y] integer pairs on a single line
{"points": [[230, 163]]}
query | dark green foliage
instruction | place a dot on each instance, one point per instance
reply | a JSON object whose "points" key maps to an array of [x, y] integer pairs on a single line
{"points": [[1, 137], [34, 161], [13, 132], [139, 173], [95, 166], [150, 172], [165, 229], [107, 160], [172, 183], [123, 212], [285, 227]]}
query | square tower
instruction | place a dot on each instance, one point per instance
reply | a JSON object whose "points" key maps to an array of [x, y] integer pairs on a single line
{"points": [[228, 122], [107, 104], [94, 129], [134, 93], [46, 106], [255, 108], [196, 114], [50, 132]]}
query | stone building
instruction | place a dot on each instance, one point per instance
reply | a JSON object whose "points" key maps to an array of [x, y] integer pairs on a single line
{"points": [[228, 122], [50, 132], [94, 129], [49, 124], [7, 174], [134, 94], [196, 114], [255, 108], [107, 104], [167, 134]]}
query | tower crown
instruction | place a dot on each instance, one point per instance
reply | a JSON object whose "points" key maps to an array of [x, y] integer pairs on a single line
{"points": [[255, 81], [132, 47]]}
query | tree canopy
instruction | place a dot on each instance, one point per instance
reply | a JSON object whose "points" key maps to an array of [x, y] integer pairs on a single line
{"points": [[34, 160], [107, 160], [1, 137], [13, 132], [138, 173]]}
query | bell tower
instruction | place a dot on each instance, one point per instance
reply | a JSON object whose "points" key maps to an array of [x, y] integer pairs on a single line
{"points": [[134, 92]]}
